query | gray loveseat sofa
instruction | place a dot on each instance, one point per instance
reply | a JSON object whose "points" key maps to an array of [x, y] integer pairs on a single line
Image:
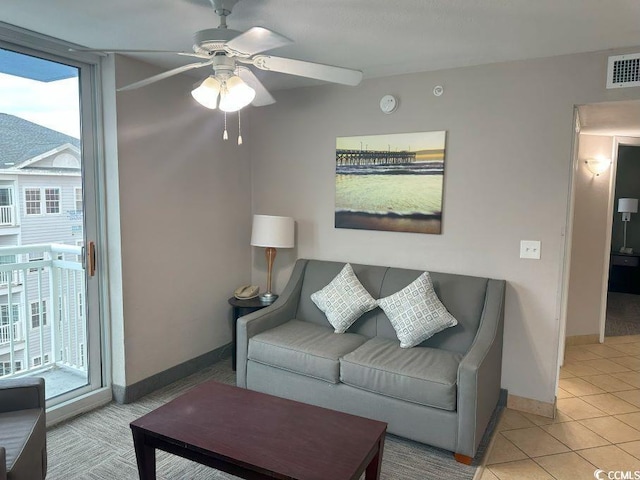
{"points": [[442, 392]]}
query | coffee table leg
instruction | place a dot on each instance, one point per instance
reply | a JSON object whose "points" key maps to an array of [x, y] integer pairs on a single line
{"points": [[373, 469], [145, 456]]}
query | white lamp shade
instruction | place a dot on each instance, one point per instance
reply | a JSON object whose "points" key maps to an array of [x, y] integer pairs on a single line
{"points": [[207, 93], [628, 205], [236, 95], [272, 231]]}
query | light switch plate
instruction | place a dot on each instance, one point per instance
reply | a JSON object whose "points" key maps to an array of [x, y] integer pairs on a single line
{"points": [[530, 249]]}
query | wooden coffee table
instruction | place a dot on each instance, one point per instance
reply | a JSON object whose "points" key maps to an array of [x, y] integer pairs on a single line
{"points": [[257, 436]]}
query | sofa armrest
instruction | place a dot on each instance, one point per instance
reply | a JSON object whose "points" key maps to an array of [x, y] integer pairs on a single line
{"points": [[21, 393], [480, 372], [282, 310]]}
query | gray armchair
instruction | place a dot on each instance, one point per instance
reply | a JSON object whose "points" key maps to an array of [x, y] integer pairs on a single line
{"points": [[23, 436]]}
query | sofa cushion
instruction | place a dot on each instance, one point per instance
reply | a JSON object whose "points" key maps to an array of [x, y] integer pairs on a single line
{"points": [[344, 300], [421, 375], [304, 348], [22, 434], [416, 313]]}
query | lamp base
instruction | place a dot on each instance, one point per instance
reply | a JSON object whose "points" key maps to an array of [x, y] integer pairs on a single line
{"points": [[627, 250], [268, 297]]}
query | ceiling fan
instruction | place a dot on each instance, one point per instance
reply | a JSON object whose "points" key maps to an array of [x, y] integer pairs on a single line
{"points": [[230, 53]]}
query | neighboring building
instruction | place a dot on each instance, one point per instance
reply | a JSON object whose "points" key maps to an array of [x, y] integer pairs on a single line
{"points": [[40, 203]]}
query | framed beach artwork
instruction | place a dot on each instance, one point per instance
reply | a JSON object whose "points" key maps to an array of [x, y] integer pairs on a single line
{"points": [[390, 182]]}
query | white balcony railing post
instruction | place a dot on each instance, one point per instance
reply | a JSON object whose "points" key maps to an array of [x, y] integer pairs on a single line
{"points": [[6, 215], [53, 286]]}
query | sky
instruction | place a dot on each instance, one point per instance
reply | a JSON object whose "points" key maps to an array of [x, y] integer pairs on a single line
{"points": [[54, 105], [397, 141]]}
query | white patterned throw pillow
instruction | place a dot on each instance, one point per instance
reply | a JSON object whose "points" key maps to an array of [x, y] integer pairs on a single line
{"points": [[344, 300], [416, 313]]}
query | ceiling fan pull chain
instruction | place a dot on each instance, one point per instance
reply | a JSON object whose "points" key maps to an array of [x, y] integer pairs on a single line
{"points": [[225, 135], [239, 130]]}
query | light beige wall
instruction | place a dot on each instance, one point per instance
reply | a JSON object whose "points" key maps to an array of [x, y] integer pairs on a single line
{"points": [[185, 222], [509, 134], [591, 213]]}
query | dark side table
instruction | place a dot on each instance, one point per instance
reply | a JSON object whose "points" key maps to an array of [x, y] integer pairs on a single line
{"points": [[240, 309]]}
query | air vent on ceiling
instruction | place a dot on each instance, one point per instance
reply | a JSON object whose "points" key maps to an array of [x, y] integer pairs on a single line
{"points": [[624, 71]]}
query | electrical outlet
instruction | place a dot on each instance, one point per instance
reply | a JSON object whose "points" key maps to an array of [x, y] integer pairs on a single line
{"points": [[530, 249]]}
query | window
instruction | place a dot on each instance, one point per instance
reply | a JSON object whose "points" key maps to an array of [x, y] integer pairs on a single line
{"points": [[81, 353], [35, 257], [6, 206], [7, 333], [78, 197], [32, 201], [35, 314], [5, 367], [5, 277], [52, 200], [34, 197], [37, 361], [4, 313]]}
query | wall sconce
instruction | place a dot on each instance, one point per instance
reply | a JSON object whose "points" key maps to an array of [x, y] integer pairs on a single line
{"points": [[597, 165]]}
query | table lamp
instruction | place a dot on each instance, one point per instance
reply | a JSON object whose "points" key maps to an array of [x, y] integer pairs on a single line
{"points": [[271, 232], [627, 206]]}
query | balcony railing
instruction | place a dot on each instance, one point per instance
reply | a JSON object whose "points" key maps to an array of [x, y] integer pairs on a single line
{"points": [[42, 309], [7, 216], [6, 332]]}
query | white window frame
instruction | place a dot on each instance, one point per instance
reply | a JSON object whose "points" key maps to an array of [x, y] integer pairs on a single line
{"points": [[39, 361], [46, 201], [45, 322], [26, 207], [35, 258], [43, 201], [6, 305], [76, 191], [6, 366]]}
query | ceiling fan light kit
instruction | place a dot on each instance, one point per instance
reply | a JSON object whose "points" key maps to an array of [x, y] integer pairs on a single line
{"points": [[230, 53], [207, 93]]}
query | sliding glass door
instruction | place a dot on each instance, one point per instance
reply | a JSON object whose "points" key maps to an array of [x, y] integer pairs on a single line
{"points": [[50, 321]]}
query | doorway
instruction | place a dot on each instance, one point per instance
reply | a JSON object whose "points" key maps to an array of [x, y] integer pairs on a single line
{"points": [[622, 312]]}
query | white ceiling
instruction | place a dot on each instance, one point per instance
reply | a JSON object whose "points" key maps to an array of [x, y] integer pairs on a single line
{"points": [[379, 37]]}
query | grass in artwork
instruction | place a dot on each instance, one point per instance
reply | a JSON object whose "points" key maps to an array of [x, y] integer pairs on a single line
{"points": [[390, 182]]}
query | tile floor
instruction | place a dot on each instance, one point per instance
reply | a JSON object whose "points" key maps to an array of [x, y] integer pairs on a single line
{"points": [[597, 425]]}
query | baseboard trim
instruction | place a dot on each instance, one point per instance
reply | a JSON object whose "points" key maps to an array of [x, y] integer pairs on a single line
{"points": [[502, 399], [131, 393], [530, 405], [581, 340]]}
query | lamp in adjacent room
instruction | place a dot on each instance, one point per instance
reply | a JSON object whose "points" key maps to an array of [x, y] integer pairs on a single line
{"points": [[271, 232], [627, 206]]}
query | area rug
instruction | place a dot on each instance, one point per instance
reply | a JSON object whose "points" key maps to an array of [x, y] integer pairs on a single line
{"points": [[623, 314], [98, 445]]}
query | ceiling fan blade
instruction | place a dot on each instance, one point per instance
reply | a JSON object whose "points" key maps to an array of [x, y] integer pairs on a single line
{"points": [[329, 73], [263, 97], [256, 40], [163, 75], [103, 50]]}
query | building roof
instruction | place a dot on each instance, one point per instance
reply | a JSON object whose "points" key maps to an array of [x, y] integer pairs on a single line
{"points": [[22, 140]]}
